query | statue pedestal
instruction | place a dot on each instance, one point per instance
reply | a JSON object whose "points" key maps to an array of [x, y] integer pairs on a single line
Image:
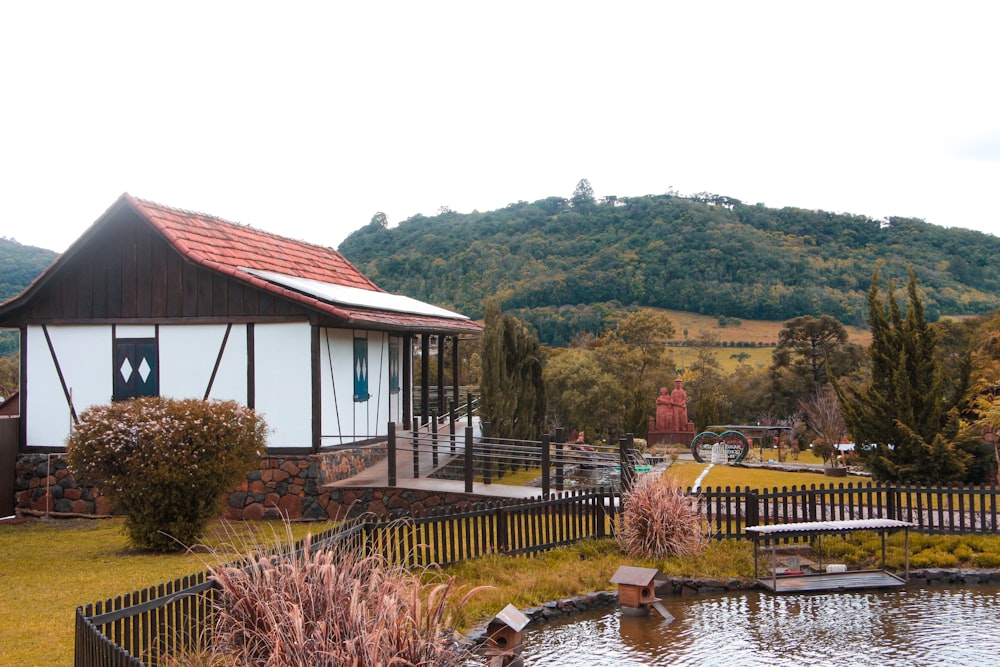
{"points": [[669, 437]]}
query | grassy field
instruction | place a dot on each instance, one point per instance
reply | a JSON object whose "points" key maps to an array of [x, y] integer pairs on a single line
{"points": [[757, 332], [683, 474], [749, 331]]}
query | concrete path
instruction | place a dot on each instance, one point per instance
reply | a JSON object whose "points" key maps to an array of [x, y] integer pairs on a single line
{"points": [[378, 474]]}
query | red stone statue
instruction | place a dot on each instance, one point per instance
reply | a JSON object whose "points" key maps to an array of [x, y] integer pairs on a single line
{"points": [[664, 412], [671, 425], [679, 398]]}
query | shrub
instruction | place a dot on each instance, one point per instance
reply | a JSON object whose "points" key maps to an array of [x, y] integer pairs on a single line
{"points": [[985, 559], [165, 463], [660, 521], [333, 606]]}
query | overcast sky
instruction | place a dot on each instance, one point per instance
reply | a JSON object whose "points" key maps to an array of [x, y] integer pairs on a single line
{"points": [[306, 118]]}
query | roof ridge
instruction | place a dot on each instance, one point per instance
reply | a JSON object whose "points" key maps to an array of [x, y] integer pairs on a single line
{"points": [[241, 225]]}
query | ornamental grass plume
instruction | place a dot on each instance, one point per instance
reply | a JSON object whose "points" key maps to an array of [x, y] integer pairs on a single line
{"points": [[660, 521], [331, 605]]}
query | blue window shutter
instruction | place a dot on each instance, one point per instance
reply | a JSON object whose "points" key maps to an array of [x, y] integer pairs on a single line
{"points": [[394, 350], [361, 370], [136, 369]]}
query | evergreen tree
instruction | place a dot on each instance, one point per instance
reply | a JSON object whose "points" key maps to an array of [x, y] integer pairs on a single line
{"points": [[902, 423], [512, 391]]}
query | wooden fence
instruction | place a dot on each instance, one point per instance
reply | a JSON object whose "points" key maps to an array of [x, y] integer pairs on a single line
{"points": [[931, 510], [144, 627]]}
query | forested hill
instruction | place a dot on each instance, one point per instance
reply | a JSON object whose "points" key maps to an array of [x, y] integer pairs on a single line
{"points": [[20, 265], [563, 266]]}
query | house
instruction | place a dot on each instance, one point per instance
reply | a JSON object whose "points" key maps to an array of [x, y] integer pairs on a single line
{"points": [[153, 300]]}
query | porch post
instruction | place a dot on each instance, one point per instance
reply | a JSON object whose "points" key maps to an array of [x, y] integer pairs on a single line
{"points": [[454, 369], [407, 380], [425, 381], [441, 392]]}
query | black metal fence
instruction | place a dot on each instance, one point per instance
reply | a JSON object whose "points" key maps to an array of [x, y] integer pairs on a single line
{"points": [[454, 451]]}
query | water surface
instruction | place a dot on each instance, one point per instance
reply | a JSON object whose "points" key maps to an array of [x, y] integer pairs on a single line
{"points": [[935, 626]]}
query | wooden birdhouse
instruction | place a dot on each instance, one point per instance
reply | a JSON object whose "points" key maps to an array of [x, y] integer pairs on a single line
{"points": [[636, 586], [505, 632]]}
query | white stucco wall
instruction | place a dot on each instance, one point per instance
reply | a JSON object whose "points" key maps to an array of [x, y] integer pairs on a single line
{"points": [[84, 354], [187, 354], [192, 352], [344, 419], [282, 380]]}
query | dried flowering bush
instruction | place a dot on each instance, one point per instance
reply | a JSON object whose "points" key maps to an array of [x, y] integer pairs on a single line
{"points": [[660, 520], [165, 463]]}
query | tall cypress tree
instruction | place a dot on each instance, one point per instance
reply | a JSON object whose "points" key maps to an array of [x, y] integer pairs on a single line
{"points": [[902, 423], [512, 392]]}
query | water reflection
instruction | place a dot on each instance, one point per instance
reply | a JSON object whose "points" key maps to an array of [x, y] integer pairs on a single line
{"points": [[936, 626]]}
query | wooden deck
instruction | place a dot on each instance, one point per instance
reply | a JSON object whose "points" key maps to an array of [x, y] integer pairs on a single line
{"points": [[831, 581]]}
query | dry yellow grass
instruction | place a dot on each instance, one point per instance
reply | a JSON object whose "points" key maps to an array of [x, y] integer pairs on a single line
{"points": [[756, 332], [750, 331]]}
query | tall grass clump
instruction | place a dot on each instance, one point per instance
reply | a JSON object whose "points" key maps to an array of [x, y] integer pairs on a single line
{"points": [[660, 521], [332, 605]]}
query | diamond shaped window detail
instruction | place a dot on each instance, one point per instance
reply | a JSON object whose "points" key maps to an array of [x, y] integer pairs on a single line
{"points": [[126, 370], [144, 369]]}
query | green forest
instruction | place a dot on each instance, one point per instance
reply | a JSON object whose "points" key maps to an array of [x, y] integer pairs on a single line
{"points": [[568, 266]]}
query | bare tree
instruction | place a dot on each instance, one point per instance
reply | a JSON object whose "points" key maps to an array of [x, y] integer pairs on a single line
{"points": [[825, 421]]}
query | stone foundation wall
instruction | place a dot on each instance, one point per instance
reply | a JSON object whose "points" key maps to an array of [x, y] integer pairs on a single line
{"points": [[43, 484], [283, 486]]}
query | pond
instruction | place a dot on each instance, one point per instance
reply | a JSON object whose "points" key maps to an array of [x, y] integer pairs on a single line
{"points": [[928, 627]]}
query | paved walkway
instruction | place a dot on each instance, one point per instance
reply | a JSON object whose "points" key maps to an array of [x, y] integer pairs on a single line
{"points": [[378, 474]]}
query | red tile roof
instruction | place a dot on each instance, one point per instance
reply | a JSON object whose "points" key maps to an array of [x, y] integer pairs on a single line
{"points": [[214, 242], [227, 247]]}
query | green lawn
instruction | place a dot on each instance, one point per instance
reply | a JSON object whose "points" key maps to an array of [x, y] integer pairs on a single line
{"points": [[49, 567], [684, 473]]}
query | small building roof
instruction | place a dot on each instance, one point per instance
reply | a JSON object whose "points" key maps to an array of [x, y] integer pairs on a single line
{"points": [[821, 527], [634, 576], [317, 277]]}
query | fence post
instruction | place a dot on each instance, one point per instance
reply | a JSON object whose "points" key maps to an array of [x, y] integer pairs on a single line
{"points": [[392, 454], [753, 509], [812, 503], [546, 464], [415, 443], [502, 543], [560, 459], [890, 502], [470, 470], [625, 462], [434, 438], [451, 424]]}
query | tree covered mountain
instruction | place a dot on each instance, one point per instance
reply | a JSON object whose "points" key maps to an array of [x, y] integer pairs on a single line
{"points": [[567, 266], [21, 264]]}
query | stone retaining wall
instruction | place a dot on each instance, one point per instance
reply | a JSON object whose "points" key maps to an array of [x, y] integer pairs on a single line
{"points": [[289, 486], [43, 484]]}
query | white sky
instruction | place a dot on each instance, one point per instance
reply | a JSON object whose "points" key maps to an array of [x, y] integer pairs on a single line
{"points": [[305, 118]]}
